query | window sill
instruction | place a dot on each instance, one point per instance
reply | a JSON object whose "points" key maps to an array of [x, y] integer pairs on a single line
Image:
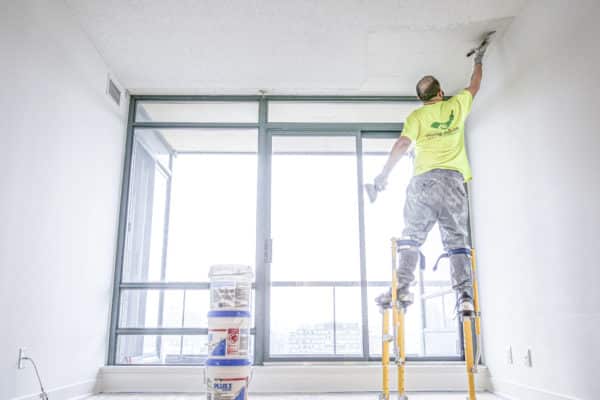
{"points": [[293, 378]]}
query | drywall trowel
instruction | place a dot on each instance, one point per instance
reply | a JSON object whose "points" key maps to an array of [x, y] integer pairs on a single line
{"points": [[484, 42], [371, 191]]}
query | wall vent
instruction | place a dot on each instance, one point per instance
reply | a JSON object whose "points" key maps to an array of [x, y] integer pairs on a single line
{"points": [[113, 91]]}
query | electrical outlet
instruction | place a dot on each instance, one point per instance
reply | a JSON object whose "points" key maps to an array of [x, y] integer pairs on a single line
{"points": [[527, 359], [21, 358], [509, 355]]}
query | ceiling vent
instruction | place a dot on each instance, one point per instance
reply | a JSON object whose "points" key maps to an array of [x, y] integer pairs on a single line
{"points": [[113, 91]]}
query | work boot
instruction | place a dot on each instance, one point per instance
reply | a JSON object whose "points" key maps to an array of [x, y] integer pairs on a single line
{"points": [[465, 305], [404, 299], [384, 300]]}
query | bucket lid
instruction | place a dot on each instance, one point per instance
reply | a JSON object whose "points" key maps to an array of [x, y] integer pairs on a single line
{"points": [[228, 362], [228, 314], [230, 269]]}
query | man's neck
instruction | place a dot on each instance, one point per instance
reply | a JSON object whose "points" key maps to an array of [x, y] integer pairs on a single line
{"points": [[433, 101]]}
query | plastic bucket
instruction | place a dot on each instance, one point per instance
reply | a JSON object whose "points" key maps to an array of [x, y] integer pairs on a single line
{"points": [[228, 334], [227, 379], [230, 287]]}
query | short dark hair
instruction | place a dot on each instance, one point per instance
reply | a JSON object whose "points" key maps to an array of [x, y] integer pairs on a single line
{"points": [[427, 88]]}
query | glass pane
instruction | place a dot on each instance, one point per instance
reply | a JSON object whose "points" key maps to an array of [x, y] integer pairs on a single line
{"points": [[219, 140], [383, 218], [193, 111], [170, 308], [442, 343], [144, 242], [301, 321], [161, 349], [431, 334], [212, 205], [154, 143], [348, 321], [316, 321], [157, 227], [314, 214], [301, 111], [213, 214]]}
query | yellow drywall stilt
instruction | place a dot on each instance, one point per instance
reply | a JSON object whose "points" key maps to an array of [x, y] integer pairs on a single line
{"points": [[400, 354], [468, 338], [385, 354], [476, 308], [398, 323]]}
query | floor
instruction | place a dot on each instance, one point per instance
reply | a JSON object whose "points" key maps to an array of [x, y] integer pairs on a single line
{"points": [[357, 396]]}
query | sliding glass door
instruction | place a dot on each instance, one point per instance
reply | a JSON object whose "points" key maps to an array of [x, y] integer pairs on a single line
{"points": [[275, 182], [315, 297], [431, 328]]}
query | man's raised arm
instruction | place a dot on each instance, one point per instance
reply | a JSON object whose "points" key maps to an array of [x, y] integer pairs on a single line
{"points": [[399, 149], [475, 79], [477, 71]]}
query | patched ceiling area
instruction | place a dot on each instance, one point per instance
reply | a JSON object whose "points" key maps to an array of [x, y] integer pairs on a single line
{"points": [[289, 46]]}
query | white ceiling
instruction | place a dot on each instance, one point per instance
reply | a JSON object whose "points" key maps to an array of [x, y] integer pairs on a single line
{"points": [[289, 46]]}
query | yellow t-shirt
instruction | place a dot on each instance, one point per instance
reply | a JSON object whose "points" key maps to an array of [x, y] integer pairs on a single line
{"points": [[438, 131]]}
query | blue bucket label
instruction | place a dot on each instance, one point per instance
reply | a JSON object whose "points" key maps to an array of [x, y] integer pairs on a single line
{"points": [[227, 389]]}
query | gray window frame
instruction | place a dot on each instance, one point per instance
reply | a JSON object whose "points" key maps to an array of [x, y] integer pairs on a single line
{"points": [[266, 130]]}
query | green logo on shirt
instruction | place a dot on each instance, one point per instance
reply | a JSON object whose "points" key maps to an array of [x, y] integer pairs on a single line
{"points": [[444, 125]]}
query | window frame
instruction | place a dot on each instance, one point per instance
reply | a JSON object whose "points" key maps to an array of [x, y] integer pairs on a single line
{"points": [[262, 284]]}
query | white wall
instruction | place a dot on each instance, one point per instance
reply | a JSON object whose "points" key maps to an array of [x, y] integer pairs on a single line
{"points": [[62, 146], [534, 141]]}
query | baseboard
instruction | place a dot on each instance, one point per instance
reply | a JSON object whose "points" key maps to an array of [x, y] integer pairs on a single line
{"points": [[68, 392], [292, 378], [516, 391]]}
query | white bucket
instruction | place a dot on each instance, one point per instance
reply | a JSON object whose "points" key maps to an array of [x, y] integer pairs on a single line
{"points": [[228, 334], [230, 287], [227, 379]]}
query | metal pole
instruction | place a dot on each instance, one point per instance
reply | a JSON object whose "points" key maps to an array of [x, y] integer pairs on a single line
{"points": [[362, 243], [261, 340], [112, 342]]}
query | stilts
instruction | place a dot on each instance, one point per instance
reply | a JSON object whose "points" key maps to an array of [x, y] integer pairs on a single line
{"points": [[386, 304], [472, 360]]}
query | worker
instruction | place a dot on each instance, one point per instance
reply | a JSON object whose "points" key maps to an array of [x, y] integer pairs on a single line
{"points": [[436, 192]]}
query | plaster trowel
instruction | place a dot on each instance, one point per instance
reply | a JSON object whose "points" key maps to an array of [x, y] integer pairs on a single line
{"points": [[484, 43]]}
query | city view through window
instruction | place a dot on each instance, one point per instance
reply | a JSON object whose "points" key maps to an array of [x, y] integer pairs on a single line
{"points": [[193, 203]]}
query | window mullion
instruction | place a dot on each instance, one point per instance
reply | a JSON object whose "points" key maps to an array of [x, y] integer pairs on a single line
{"points": [[362, 245]]}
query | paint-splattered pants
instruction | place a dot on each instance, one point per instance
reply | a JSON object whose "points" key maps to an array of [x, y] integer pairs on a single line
{"points": [[436, 196]]}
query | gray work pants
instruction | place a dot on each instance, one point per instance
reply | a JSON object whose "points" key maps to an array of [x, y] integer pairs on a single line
{"points": [[436, 196]]}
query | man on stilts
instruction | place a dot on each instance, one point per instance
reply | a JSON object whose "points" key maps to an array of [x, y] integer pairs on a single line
{"points": [[436, 192]]}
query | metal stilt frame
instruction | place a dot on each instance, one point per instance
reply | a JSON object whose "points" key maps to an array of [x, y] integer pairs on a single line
{"points": [[397, 336], [472, 355], [469, 358], [472, 359]]}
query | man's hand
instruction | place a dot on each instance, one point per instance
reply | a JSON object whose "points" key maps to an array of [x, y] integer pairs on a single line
{"points": [[478, 59], [380, 182]]}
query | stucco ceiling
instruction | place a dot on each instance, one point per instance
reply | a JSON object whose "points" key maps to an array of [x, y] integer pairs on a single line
{"points": [[288, 46]]}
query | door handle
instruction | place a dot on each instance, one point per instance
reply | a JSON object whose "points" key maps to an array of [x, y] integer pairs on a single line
{"points": [[268, 250]]}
